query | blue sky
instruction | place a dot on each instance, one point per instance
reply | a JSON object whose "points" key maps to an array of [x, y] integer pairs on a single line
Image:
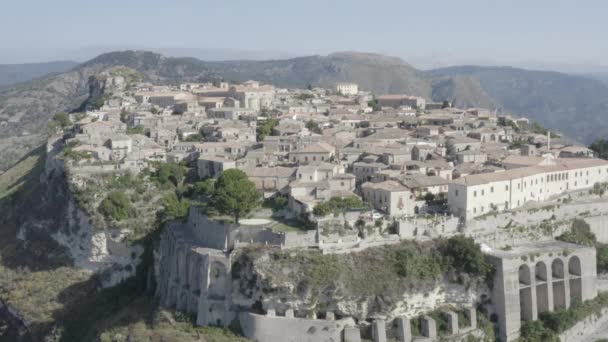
{"points": [[422, 32]]}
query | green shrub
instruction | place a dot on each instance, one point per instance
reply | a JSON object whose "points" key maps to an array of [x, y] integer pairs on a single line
{"points": [[117, 206], [580, 233], [464, 255]]}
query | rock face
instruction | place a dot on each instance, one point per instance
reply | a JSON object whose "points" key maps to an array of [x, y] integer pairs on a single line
{"points": [[98, 250]]}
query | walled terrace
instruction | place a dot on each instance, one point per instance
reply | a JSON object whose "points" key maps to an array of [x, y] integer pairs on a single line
{"points": [[312, 328]]}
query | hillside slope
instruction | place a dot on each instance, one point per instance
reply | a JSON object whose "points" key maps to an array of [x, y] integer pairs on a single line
{"points": [[574, 105], [16, 73]]}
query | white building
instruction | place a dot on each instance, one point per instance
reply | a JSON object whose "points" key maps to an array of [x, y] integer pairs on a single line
{"points": [[347, 88], [477, 194]]}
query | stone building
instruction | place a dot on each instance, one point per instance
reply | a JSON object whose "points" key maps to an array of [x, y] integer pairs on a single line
{"points": [[390, 197], [397, 101], [540, 277]]}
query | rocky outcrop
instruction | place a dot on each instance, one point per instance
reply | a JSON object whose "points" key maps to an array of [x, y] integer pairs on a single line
{"points": [[104, 251]]}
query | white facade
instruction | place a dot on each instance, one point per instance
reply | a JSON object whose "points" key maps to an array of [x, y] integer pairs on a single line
{"points": [[347, 88], [479, 194]]}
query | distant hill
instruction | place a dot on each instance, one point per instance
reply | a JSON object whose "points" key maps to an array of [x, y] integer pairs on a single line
{"points": [[16, 73], [572, 104]]}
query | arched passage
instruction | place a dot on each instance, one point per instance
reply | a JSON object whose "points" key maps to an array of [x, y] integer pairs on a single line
{"points": [[542, 287], [576, 286], [525, 293], [559, 287]]}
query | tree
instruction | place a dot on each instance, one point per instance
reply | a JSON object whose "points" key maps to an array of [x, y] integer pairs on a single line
{"points": [[266, 128], [170, 172], [466, 256], [580, 233], [600, 147], [194, 138], [321, 209], [450, 151], [204, 189], [117, 206], [235, 194], [313, 127], [374, 104], [174, 208]]}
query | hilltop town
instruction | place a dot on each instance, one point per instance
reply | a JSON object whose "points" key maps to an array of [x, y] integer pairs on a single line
{"points": [[354, 188]]}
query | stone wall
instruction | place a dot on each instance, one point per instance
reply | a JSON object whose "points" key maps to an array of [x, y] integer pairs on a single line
{"points": [[428, 227], [537, 223], [581, 330], [270, 328]]}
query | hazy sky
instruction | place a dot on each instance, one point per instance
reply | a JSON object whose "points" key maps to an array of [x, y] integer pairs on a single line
{"points": [[422, 32]]}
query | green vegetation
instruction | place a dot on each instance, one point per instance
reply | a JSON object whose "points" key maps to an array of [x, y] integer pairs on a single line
{"points": [[550, 324], [305, 97], [174, 208], [600, 147], [265, 128], [599, 189], [136, 130], [194, 138], [144, 320], [388, 271], [580, 233], [409, 262], [170, 173], [313, 127], [337, 205], [117, 206], [535, 331], [62, 119], [375, 106], [464, 255], [235, 194], [516, 144], [14, 178]]}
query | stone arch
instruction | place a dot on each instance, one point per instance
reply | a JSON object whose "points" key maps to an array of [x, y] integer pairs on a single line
{"points": [[542, 287], [575, 275], [558, 284], [218, 280], [525, 293]]}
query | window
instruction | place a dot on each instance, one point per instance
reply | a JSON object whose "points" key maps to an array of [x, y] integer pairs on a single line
{"points": [[474, 210], [456, 193], [475, 193], [491, 189], [341, 183], [506, 188], [482, 192]]}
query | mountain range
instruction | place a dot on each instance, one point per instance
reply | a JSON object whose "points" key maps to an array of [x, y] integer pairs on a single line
{"points": [[573, 105], [16, 73]]}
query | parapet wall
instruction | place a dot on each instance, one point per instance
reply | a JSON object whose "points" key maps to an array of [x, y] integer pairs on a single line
{"points": [[428, 227], [268, 328]]}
